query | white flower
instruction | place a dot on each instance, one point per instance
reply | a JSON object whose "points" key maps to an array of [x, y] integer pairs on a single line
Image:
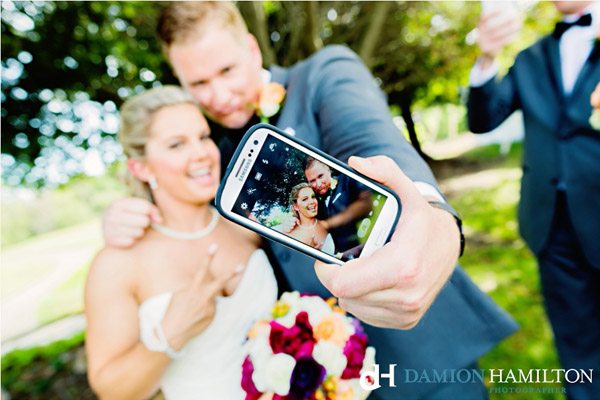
{"points": [[315, 307], [259, 350], [275, 375], [331, 356], [292, 299], [268, 110]]}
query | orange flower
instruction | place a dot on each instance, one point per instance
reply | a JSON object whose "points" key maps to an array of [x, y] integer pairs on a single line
{"points": [[259, 328], [595, 98], [270, 99], [334, 328]]}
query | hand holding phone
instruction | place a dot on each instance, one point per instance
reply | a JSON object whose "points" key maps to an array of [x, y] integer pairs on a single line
{"points": [[292, 193], [394, 287], [499, 25]]}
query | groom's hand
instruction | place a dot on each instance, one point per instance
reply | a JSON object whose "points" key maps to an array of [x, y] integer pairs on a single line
{"points": [[396, 285], [126, 220]]}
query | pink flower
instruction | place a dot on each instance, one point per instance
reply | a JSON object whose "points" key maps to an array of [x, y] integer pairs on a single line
{"points": [[297, 341], [252, 392], [355, 354]]}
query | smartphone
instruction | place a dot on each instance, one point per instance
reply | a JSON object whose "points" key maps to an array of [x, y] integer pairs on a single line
{"points": [[292, 193], [505, 10]]}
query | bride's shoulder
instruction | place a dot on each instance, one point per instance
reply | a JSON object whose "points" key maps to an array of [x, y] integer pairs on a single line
{"points": [[118, 266]]}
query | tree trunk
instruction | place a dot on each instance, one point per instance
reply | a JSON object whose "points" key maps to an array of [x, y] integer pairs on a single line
{"points": [[410, 126], [371, 37], [313, 41], [256, 19]]}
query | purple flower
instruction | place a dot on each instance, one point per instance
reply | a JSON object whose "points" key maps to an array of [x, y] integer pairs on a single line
{"points": [[297, 341], [252, 392], [358, 328], [355, 354], [306, 378]]}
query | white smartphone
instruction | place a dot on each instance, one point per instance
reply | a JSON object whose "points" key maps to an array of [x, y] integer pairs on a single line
{"points": [[290, 192], [506, 10]]}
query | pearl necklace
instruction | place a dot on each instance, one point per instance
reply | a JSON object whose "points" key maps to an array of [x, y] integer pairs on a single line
{"points": [[183, 235], [311, 227]]}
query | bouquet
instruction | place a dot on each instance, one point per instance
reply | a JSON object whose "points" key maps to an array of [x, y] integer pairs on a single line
{"points": [[308, 349]]}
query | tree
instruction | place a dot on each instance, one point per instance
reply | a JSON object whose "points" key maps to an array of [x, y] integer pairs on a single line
{"points": [[67, 66]]}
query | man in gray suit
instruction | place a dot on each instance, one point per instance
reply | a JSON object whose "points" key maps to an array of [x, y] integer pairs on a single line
{"points": [[559, 212], [333, 103]]}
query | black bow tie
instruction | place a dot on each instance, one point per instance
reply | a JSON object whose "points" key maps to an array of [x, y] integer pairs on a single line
{"points": [[562, 27]]}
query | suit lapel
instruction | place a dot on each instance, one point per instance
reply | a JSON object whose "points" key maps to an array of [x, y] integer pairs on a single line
{"points": [[553, 63]]}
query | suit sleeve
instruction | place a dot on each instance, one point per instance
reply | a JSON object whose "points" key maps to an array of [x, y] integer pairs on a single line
{"points": [[490, 104], [353, 114]]}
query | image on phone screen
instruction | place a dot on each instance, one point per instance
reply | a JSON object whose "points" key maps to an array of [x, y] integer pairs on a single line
{"points": [[309, 200]]}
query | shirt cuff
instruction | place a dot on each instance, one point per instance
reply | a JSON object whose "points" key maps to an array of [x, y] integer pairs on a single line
{"points": [[479, 77], [427, 189]]}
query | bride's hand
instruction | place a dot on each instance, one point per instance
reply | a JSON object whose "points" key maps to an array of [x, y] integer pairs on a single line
{"points": [[192, 308]]}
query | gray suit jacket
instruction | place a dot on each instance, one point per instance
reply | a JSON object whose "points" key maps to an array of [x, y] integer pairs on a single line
{"points": [[333, 103], [560, 148]]}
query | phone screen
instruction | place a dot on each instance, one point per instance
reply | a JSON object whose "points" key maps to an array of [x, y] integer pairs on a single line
{"points": [[309, 199]]}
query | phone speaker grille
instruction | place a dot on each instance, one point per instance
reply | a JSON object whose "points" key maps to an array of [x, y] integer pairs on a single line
{"points": [[240, 168]]}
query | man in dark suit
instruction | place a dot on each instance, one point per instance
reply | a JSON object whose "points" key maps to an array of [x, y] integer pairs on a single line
{"points": [[342, 202], [333, 103], [559, 213]]}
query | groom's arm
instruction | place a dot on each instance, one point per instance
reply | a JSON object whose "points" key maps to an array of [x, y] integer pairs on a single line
{"points": [[491, 102], [394, 287], [354, 116]]}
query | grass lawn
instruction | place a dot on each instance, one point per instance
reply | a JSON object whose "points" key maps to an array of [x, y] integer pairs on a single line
{"points": [[500, 263], [64, 300]]}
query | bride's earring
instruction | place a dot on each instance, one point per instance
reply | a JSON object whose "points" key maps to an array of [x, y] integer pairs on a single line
{"points": [[152, 183]]}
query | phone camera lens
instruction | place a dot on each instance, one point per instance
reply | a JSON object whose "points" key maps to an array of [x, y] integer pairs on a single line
{"points": [[251, 150], [249, 155], [256, 142]]}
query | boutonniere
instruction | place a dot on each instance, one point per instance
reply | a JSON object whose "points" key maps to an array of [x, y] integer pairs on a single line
{"points": [[270, 100], [595, 102]]}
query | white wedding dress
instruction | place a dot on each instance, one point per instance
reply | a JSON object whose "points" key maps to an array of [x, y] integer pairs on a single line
{"points": [[211, 364], [328, 245]]}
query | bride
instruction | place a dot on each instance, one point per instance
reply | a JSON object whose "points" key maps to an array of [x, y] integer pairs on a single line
{"points": [[172, 311], [309, 229]]}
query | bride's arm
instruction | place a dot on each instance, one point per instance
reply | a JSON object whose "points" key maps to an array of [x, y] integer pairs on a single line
{"points": [[119, 365]]}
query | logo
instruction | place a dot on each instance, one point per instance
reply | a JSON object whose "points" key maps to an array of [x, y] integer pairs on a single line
{"points": [[369, 380]]}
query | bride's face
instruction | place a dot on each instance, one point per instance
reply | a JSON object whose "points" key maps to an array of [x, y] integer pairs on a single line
{"points": [[306, 203], [181, 155]]}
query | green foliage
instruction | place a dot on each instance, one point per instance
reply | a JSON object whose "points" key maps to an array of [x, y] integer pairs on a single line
{"points": [[75, 59], [16, 363], [67, 66]]}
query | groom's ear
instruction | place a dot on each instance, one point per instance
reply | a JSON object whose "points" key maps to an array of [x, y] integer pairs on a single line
{"points": [[254, 50]]}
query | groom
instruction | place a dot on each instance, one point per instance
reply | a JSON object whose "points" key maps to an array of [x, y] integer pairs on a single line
{"points": [[333, 103]]}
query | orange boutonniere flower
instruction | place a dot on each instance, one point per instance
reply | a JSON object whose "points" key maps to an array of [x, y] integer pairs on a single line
{"points": [[595, 102], [270, 100]]}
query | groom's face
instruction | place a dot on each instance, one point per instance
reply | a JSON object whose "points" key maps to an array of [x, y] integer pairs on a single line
{"points": [[222, 72], [318, 176]]}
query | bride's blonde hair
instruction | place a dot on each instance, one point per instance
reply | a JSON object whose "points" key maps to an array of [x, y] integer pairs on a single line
{"points": [[136, 120]]}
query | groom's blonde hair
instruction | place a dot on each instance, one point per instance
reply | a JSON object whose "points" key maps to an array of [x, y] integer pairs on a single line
{"points": [[183, 21]]}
